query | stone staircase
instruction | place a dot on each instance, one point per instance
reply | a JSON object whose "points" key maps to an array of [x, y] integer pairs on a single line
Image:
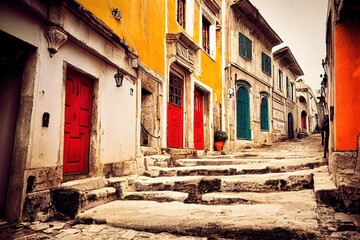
{"points": [[266, 193], [257, 195]]}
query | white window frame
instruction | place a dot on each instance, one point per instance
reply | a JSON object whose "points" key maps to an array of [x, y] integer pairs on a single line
{"points": [[212, 31]]}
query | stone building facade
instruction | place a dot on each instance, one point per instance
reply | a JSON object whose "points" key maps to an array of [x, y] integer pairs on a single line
{"points": [[308, 108], [248, 80], [342, 100], [285, 105], [261, 103]]}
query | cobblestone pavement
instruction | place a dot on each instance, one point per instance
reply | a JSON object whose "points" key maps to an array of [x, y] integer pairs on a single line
{"points": [[68, 230]]}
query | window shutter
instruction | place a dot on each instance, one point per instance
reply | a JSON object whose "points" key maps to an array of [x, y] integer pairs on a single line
{"points": [[249, 49], [241, 44]]}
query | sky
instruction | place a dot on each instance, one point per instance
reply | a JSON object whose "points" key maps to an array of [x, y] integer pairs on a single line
{"points": [[301, 24]]}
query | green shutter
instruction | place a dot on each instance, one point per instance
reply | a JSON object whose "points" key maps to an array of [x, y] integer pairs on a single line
{"points": [[249, 49], [265, 63], [264, 115], [241, 45], [245, 46]]}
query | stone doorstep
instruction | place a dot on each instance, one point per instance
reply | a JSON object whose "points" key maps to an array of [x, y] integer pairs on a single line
{"points": [[262, 221], [252, 182], [70, 202], [257, 168], [86, 184], [159, 196]]}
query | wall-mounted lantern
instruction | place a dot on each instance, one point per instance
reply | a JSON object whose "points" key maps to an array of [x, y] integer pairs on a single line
{"points": [[119, 76], [230, 92]]}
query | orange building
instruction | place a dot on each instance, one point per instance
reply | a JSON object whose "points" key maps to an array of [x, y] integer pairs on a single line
{"points": [[342, 97]]}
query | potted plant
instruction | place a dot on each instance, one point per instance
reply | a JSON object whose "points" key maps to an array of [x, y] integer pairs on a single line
{"points": [[220, 137]]}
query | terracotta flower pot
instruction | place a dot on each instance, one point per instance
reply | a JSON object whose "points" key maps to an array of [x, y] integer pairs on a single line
{"points": [[219, 145]]}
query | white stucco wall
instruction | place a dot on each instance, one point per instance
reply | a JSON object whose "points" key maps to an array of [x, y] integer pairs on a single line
{"points": [[116, 125]]}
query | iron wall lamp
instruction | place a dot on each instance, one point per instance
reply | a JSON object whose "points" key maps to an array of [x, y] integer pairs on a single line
{"points": [[119, 76]]}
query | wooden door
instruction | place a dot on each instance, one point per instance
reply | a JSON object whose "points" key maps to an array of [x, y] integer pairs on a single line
{"points": [[198, 121], [175, 112], [78, 103], [243, 114], [290, 126]]}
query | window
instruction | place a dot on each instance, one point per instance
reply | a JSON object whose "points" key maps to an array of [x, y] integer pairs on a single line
{"points": [[292, 91], [280, 80], [175, 91], [245, 46], [266, 63], [264, 118], [181, 13], [206, 35], [287, 88]]}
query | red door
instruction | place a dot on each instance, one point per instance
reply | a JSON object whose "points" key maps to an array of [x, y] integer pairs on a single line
{"points": [[77, 123], [175, 112], [198, 121], [303, 120]]}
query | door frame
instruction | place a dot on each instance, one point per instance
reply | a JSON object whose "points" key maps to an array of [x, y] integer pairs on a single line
{"points": [[249, 112], [180, 74], [203, 116], [95, 134], [23, 134], [208, 107]]}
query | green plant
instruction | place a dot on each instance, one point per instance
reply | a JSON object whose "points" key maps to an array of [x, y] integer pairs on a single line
{"points": [[220, 136]]}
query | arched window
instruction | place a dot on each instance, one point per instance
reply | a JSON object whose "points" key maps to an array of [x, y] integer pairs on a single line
{"points": [[264, 121]]}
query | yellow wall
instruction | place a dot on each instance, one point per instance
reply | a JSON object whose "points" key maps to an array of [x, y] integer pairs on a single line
{"points": [[210, 69], [145, 22]]}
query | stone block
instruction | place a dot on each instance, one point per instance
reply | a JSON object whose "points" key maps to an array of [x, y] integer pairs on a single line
{"points": [[86, 184], [119, 169], [38, 206], [43, 178]]}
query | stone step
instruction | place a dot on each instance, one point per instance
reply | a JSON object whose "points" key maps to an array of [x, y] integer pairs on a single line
{"points": [[217, 162], [325, 190], [239, 169], [239, 183], [262, 221], [286, 181], [71, 201], [256, 154], [86, 184], [159, 196], [303, 198]]}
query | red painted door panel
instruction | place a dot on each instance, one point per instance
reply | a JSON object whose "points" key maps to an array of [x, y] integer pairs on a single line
{"points": [[175, 113], [77, 123], [303, 121], [198, 121]]}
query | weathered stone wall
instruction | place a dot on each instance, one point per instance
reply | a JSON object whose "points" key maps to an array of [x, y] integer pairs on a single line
{"points": [[345, 169]]}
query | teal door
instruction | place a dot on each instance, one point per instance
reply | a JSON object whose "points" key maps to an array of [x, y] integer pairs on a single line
{"points": [[243, 114]]}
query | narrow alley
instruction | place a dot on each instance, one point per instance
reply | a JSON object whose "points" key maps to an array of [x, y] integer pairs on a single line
{"points": [[179, 119], [277, 192]]}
